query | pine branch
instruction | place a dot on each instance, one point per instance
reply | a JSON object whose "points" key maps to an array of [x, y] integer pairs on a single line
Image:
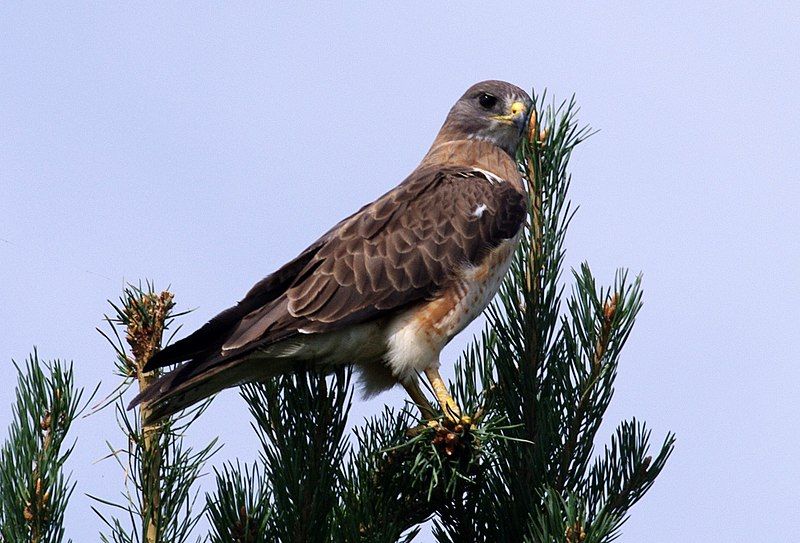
{"points": [[240, 509], [394, 483], [145, 318], [599, 323], [625, 472], [161, 470], [383, 498], [33, 488], [300, 420], [311, 486]]}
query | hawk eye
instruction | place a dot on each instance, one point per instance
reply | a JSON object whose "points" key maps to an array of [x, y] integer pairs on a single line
{"points": [[487, 100]]}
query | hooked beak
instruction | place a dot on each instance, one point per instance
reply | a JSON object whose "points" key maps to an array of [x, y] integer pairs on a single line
{"points": [[517, 115]]}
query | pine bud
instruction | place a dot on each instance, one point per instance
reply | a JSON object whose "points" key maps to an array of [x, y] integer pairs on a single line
{"points": [[532, 126], [610, 307], [45, 424], [575, 533], [543, 135]]}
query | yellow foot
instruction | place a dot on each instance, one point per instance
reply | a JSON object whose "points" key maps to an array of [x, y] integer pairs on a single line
{"points": [[417, 430], [449, 407]]}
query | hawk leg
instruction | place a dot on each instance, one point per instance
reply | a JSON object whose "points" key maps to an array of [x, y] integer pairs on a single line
{"points": [[449, 406], [417, 396]]}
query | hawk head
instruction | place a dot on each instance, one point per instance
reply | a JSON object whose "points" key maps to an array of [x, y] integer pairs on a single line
{"points": [[493, 111]]}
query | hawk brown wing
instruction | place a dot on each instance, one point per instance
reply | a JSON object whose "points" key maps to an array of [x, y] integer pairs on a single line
{"points": [[401, 249]]}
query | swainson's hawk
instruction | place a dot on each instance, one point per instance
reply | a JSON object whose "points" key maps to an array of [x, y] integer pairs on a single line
{"points": [[386, 288]]}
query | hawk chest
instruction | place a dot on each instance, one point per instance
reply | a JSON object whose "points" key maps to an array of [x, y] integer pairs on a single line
{"points": [[468, 296], [415, 337]]}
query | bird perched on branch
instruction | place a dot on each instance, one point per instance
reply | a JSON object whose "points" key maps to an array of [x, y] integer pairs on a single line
{"points": [[386, 288]]}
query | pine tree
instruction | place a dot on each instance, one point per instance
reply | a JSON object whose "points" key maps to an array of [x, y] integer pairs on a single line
{"points": [[537, 383], [34, 490]]}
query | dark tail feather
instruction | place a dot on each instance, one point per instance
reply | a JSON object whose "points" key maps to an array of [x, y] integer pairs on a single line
{"points": [[208, 340], [197, 380], [201, 343]]}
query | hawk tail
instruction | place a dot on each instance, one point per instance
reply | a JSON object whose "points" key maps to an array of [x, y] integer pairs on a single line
{"points": [[200, 379]]}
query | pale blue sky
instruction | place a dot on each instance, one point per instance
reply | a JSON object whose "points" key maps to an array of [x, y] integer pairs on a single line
{"points": [[202, 146]]}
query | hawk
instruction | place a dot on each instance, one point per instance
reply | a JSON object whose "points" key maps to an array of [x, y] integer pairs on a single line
{"points": [[386, 288]]}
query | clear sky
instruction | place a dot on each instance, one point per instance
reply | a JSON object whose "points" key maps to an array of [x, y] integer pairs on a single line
{"points": [[201, 146]]}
